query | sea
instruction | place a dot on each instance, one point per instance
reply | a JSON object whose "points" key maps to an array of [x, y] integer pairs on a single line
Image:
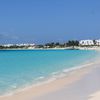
{"points": [[20, 69]]}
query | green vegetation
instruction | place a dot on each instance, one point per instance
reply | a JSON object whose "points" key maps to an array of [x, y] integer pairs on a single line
{"points": [[70, 43], [13, 47]]}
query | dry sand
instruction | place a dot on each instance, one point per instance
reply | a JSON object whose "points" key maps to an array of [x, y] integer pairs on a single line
{"points": [[95, 96], [81, 89]]}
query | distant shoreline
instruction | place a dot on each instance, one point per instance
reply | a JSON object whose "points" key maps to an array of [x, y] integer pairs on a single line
{"points": [[66, 48]]}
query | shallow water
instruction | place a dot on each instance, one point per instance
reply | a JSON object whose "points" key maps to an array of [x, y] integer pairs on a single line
{"points": [[20, 68]]}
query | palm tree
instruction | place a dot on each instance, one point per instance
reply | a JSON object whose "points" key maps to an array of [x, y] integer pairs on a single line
{"points": [[94, 41], [73, 43]]}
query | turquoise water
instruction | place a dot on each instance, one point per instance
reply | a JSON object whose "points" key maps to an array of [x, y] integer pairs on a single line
{"points": [[20, 68]]}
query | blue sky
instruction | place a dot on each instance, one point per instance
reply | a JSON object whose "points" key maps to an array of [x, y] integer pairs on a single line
{"points": [[42, 21]]}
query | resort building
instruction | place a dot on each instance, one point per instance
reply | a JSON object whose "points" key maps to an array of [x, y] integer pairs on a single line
{"points": [[97, 42], [18, 45], [32, 45], [86, 42], [7, 45]]}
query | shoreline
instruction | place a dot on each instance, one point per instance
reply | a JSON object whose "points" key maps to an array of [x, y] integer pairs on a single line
{"points": [[27, 94], [53, 77], [63, 48], [87, 87]]}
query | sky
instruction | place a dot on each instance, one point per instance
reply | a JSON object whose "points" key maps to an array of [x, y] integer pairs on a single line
{"points": [[42, 21]]}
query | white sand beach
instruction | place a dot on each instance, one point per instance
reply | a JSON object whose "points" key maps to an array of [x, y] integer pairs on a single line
{"points": [[95, 96], [86, 88], [80, 84]]}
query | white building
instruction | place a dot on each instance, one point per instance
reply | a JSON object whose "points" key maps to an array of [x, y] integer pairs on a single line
{"points": [[86, 42], [97, 42], [27, 44], [7, 45]]}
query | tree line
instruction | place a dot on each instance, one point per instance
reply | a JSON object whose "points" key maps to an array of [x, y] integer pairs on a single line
{"points": [[59, 45]]}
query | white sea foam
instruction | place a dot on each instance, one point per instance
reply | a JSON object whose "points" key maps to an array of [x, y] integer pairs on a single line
{"points": [[54, 73], [40, 78]]}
